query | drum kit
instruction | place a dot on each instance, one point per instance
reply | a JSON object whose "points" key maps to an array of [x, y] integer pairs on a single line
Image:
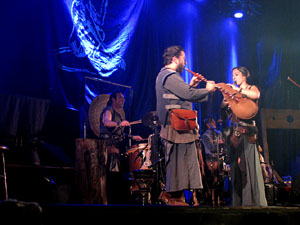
{"points": [[139, 155], [141, 168], [142, 172]]}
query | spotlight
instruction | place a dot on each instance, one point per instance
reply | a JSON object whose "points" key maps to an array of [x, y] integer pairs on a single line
{"points": [[243, 8], [239, 9], [238, 14]]}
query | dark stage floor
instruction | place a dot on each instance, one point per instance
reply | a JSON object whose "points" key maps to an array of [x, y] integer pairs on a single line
{"points": [[40, 201], [33, 206], [17, 212]]}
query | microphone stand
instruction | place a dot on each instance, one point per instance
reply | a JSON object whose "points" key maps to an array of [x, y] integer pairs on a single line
{"points": [[218, 151], [129, 135], [157, 159], [220, 178]]}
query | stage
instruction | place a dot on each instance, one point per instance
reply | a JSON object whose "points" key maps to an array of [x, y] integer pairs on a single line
{"points": [[49, 195], [14, 212], [63, 58], [61, 195]]}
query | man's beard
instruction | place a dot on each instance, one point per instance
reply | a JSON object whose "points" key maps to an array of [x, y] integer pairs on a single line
{"points": [[180, 68]]}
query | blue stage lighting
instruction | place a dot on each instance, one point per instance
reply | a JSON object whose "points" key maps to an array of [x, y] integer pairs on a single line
{"points": [[238, 15]]}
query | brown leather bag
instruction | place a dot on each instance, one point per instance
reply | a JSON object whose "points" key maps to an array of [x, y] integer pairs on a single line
{"points": [[183, 119]]}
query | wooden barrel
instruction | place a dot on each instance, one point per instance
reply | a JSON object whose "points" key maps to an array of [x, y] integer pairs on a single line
{"points": [[90, 168]]}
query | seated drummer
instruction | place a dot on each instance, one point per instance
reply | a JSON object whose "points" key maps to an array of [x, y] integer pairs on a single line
{"points": [[112, 125]]}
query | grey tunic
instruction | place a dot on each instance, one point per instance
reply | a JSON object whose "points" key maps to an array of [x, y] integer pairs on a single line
{"points": [[182, 166]]}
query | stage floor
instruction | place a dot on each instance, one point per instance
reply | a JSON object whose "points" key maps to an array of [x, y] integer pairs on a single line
{"points": [[28, 191], [15, 212]]}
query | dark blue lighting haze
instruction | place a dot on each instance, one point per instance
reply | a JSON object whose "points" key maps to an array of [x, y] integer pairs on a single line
{"points": [[231, 29], [274, 68], [190, 11], [192, 20]]}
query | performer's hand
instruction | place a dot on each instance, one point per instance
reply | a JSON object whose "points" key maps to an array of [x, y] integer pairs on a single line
{"points": [[137, 138], [124, 123], [210, 85], [233, 86], [195, 81], [229, 84]]}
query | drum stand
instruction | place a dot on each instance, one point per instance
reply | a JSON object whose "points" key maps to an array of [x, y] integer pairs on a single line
{"points": [[144, 180], [129, 134], [216, 193], [149, 180], [157, 166]]}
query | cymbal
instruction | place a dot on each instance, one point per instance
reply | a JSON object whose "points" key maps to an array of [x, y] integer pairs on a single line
{"points": [[150, 119]]}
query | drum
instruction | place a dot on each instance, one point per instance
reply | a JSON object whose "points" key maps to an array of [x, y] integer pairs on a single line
{"points": [[136, 154]]}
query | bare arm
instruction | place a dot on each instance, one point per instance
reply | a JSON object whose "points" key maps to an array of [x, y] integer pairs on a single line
{"points": [[107, 120], [252, 93]]}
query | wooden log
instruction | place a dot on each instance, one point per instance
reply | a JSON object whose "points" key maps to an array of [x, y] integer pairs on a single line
{"points": [[90, 168]]}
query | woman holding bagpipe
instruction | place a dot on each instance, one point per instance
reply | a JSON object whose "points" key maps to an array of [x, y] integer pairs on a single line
{"points": [[246, 175], [241, 104]]}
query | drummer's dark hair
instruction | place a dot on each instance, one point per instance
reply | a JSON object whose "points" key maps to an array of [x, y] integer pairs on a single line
{"points": [[113, 95]]}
